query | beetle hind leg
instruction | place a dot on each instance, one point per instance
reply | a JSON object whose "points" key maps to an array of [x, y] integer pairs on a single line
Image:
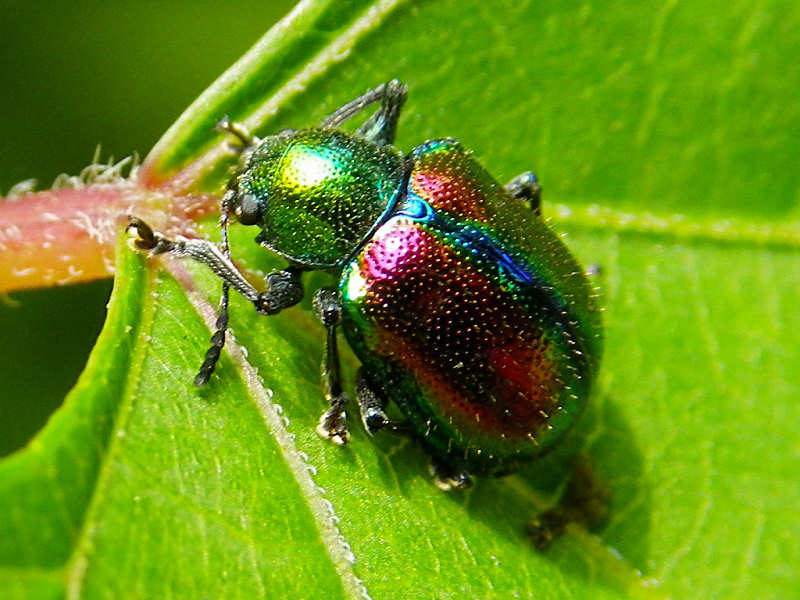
{"points": [[526, 187], [584, 501], [448, 477]]}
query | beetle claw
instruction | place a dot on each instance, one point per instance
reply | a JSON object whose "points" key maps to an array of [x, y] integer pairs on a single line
{"points": [[447, 478], [333, 426], [147, 240], [546, 528]]}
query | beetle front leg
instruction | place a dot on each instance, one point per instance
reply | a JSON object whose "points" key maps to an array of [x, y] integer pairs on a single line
{"points": [[381, 127], [333, 423], [526, 187], [284, 288]]}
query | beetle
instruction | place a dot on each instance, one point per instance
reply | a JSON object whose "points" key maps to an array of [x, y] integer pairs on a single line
{"points": [[464, 308]]}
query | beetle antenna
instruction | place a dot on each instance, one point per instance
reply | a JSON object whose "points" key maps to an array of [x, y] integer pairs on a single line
{"points": [[218, 338]]}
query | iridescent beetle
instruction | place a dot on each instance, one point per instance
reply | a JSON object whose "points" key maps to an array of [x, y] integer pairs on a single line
{"points": [[462, 305]]}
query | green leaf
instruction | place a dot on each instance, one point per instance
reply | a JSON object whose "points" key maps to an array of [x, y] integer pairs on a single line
{"points": [[665, 136]]}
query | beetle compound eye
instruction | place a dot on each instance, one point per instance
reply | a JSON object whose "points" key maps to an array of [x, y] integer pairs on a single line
{"points": [[248, 210]]}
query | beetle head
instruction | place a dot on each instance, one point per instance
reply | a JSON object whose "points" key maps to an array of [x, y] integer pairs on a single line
{"points": [[315, 193]]}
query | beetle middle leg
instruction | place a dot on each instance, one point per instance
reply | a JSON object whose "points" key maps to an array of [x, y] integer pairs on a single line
{"points": [[526, 187], [333, 423], [372, 405]]}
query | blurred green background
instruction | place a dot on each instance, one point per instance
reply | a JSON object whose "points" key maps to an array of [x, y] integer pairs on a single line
{"points": [[75, 75]]}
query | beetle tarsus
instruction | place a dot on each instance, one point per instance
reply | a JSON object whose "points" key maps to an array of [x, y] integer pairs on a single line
{"points": [[238, 130], [446, 477], [381, 127], [585, 501], [549, 526], [526, 187], [372, 406], [333, 424], [284, 289]]}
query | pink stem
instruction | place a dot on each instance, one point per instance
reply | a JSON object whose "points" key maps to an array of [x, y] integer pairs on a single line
{"points": [[67, 235]]}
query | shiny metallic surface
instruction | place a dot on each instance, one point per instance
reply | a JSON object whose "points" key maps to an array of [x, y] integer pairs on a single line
{"points": [[472, 316], [320, 191]]}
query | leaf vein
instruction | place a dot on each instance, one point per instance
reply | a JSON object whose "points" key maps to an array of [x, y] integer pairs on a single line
{"points": [[682, 227], [335, 544]]}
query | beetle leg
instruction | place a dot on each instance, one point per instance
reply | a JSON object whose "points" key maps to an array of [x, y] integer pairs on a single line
{"points": [[284, 288], [447, 477], [526, 187], [238, 130], [381, 127], [333, 423], [372, 405], [585, 501]]}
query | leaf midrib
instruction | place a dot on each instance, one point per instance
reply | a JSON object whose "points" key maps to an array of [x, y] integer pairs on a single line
{"points": [[76, 565], [339, 552], [338, 549]]}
